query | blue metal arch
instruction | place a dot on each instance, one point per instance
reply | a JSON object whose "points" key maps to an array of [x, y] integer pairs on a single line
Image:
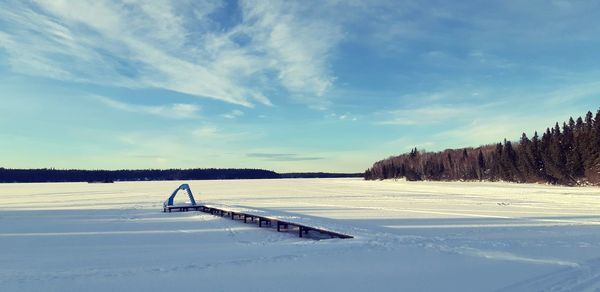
{"points": [[186, 187]]}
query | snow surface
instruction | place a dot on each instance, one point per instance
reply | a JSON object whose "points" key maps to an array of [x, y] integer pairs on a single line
{"points": [[410, 236]]}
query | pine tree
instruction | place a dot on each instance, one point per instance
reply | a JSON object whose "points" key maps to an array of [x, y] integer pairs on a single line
{"points": [[538, 163], [596, 135], [509, 161], [481, 165], [525, 159]]}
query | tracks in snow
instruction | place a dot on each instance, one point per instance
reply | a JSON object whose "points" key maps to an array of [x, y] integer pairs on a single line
{"points": [[584, 277]]}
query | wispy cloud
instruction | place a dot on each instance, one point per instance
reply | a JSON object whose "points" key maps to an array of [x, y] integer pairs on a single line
{"points": [[216, 135], [571, 93], [424, 115], [299, 46], [207, 132], [342, 117], [494, 129], [282, 157], [155, 44], [175, 111], [233, 114]]}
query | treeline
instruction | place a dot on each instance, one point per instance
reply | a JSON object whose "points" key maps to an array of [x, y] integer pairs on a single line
{"points": [[319, 175], [8, 175], [76, 175], [567, 155]]}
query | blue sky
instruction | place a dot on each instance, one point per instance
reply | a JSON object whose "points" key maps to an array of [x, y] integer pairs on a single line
{"points": [[287, 86]]}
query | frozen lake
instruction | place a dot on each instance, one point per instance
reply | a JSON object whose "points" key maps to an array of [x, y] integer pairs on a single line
{"points": [[413, 236]]}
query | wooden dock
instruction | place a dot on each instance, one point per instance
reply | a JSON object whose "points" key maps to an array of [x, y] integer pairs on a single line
{"points": [[262, 221]]}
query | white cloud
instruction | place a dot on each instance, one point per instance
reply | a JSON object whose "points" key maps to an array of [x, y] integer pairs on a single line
{"points": [[141, 44], [285, 157], [298, 47], [176, 111], [493, 129], [453, 105], [233, 114], [214, 135], [206, 132], [342, 117], [424, 115], [570, 93]]}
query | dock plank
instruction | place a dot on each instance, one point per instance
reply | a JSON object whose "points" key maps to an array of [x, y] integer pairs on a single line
{"points": [[303, 229]]}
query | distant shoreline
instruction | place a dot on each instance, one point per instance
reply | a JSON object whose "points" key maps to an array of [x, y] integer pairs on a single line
{"points": [[47, 175]]}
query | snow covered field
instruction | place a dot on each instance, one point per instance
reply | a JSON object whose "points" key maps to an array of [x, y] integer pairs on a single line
{"points": [[410, 236]]}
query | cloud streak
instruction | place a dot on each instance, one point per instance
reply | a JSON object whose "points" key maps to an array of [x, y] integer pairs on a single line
{"points": [[175, 111], [281, 157], [162, 44], [233, 114]]}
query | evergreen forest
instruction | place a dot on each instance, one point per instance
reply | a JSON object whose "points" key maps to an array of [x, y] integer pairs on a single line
{"points": [[567, 154]]}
